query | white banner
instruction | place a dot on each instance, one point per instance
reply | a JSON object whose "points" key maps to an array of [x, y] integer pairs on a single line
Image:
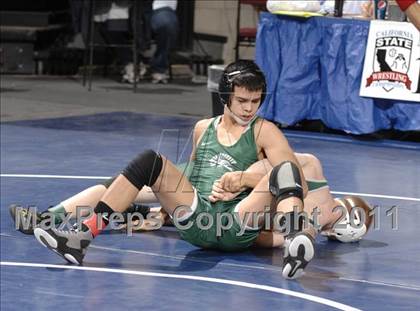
{"points": [[392, 62]]}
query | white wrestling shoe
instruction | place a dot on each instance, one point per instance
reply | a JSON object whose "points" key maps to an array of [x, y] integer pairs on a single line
{"points": [[298, 252]]}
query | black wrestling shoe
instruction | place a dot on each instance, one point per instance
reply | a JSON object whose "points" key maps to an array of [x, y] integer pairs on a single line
{"points": [[69, 244], [25, 218], [298, 252]]}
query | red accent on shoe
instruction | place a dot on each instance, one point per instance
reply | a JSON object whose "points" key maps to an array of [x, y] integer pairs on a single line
{"points": [[94, 225]]}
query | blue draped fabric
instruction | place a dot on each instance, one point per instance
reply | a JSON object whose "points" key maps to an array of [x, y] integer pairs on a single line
{"points": [[314, 68]]}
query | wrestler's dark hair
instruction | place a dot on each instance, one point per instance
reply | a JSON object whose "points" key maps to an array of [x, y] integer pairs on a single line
{"points": [[242, 73]]}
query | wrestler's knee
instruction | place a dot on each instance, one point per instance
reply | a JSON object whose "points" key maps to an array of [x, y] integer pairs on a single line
{"points": [[144, 169]]}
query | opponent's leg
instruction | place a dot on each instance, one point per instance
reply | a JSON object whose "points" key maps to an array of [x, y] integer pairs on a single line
{"points": [[332, 212], [322, 219], [318, 196], [27, 218], [92, 195]]}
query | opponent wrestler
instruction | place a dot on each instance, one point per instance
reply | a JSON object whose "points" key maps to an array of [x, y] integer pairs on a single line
{"points": [[231, 142]]}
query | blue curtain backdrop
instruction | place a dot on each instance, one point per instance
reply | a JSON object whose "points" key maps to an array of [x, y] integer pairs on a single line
{"points": [[314, 68]]}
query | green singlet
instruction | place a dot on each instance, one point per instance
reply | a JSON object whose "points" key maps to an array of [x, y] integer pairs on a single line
{"points": [[212, 161], [314, 185]]}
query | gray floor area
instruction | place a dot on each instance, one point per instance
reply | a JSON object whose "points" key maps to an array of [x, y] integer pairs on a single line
{"points": [[39, 97]]}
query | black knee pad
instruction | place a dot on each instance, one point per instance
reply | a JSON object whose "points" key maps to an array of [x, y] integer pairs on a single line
{"points": [[108, 182], [285, 181], [144, 169]]}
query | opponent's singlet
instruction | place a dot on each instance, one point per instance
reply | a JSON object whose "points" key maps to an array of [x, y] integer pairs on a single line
{"points": [[214, 159]]}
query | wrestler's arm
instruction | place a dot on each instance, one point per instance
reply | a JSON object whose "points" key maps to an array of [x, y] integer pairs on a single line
{"points": [[232, 183], [276, 147], [266, 133]]}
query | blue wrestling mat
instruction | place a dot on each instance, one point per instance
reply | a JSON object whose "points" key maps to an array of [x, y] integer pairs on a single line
{"points": [[46, 161]]}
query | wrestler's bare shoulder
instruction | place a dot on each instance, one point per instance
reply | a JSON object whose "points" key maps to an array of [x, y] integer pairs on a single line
{"points": [[202, 125], [263, 126]]}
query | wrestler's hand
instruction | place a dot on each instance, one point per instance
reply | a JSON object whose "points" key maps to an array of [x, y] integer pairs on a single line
{"points": [[219, 194], [233, 181]]}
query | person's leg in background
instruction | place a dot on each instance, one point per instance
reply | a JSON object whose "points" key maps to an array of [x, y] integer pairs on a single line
{"points": [[164, 24], [116, 32]]}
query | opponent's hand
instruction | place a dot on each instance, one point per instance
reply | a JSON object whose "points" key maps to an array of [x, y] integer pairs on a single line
{"points": [[219, 194], [233, 181]]}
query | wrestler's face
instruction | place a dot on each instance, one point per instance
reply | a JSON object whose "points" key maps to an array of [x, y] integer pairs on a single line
{"points": [[244, 103]]}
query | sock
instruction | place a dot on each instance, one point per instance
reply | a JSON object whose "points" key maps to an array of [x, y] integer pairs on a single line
{"points": [[96, 223], [59, 213]]}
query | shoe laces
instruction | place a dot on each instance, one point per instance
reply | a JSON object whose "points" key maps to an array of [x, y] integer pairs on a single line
{"points": [[71, 231]]}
